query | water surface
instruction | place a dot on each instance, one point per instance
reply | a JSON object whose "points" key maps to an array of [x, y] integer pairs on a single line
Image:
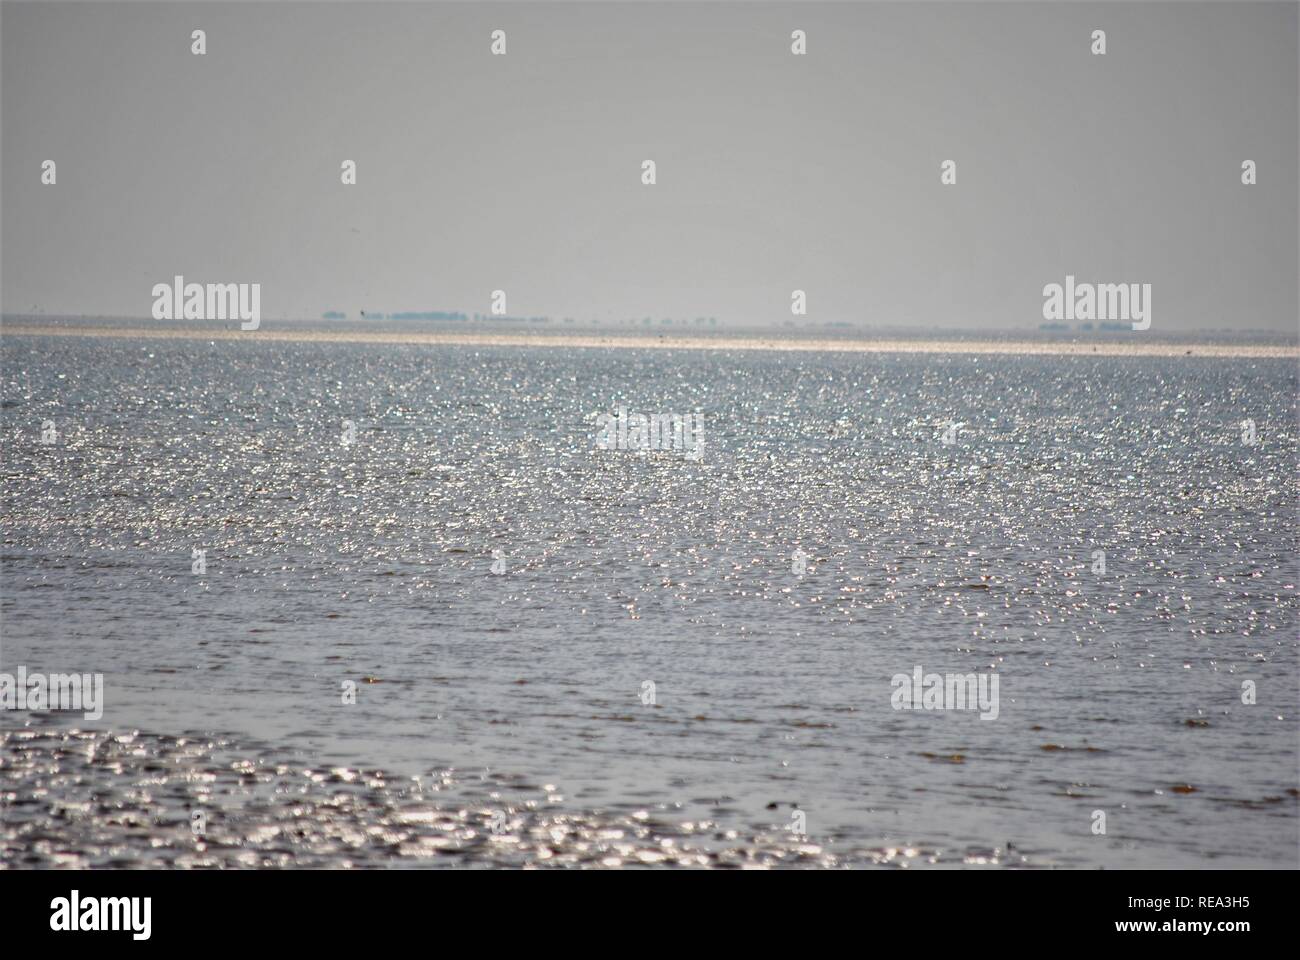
{"points": [[371, 562]]}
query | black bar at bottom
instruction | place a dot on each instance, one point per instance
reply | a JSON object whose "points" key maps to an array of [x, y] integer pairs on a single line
{"points": [[334, 909]]}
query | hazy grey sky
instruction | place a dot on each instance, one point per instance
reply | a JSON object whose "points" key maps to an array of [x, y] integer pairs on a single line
{"points": [[775, 172]]}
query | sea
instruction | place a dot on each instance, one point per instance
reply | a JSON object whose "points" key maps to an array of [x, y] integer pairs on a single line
{"points": [[393, 604]]}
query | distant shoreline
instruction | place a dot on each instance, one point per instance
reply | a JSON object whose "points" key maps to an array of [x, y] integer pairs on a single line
{"points": [[630, 340]]}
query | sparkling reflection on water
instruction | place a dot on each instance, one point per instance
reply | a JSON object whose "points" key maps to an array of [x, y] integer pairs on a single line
{"points": [[371, 561]]}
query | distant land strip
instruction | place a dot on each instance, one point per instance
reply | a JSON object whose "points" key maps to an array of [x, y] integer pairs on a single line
{"points": [[1137, 348]]}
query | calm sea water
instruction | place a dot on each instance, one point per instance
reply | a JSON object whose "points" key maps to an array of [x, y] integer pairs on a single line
{"points": [[371, 562]]}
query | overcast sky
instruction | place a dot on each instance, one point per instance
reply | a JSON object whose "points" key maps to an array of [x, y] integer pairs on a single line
{"points": [[775, 172]]}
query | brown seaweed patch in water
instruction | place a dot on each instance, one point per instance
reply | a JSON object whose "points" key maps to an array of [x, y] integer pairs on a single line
{"points": [[945, 757]]}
